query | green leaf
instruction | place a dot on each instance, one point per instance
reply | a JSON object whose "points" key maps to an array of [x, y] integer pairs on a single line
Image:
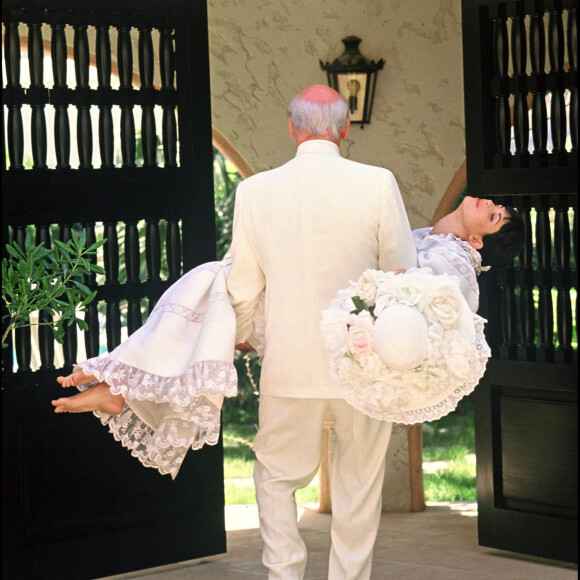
{"points": [[85, 264], [359, 303], [97, 269], [92, 249], [15, 251], [88, 299], [64, 248], [85, 290]]}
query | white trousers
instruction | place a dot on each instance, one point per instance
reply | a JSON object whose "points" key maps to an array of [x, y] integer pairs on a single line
{"points": [[288, 452]]}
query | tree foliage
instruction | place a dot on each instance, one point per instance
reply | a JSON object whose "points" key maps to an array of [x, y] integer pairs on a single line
{"points": [[50, 281], [243, 408], [225, 182]]}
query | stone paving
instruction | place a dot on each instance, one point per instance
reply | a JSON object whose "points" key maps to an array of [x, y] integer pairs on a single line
{"points": [[439, 543]]}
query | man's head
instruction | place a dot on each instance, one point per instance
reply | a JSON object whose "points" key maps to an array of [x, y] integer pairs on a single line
{"points": [[318, 112]]}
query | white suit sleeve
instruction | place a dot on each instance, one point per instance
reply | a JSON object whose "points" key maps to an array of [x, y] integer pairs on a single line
{"points": [[246, 282], [396, 245]]}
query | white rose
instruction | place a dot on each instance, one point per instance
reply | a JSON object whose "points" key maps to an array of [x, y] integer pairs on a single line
{"points": [[456, 352], [445, 307], [409, 292], [435, 334], [334, 327], [386, 293], [351, 290], [346, 370], [381, 394], [384, 301], [368, 283], [372, 367], [362, 319]]}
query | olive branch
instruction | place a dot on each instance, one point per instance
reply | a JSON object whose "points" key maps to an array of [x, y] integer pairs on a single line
{"points": [[36, 278]]}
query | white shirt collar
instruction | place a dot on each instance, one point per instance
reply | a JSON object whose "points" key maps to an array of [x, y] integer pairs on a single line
{"points": [[318, 146]]}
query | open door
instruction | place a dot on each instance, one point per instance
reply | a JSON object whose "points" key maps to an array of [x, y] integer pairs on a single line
{"points": [[106, 127], [521, 112]]}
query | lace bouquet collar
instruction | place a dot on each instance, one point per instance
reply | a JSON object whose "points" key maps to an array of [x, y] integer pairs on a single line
{"points": [[404, 348]]}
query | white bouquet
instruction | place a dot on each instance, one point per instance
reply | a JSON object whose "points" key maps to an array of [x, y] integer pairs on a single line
{"points": [[404, 348]]}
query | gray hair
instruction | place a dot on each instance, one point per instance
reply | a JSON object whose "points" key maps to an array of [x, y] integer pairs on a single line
{"points": [[318, 118]]}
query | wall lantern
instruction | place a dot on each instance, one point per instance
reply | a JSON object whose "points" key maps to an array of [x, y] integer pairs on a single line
{"points": [[354, 76]]}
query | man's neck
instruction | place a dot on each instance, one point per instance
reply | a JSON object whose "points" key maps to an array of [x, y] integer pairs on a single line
{"points": [[302, 138]]}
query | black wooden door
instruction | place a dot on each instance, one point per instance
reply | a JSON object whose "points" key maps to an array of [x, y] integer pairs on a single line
{"points": [[521, 111], [107, 125]]}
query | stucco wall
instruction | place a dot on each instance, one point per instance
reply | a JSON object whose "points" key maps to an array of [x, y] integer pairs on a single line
{"points": [[262, 52]]}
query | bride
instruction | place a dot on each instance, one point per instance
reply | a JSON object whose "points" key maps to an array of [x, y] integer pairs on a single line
{"points": [[161, 391]]}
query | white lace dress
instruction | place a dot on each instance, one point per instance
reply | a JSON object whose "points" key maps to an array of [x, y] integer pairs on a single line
{"points": [[174, 371], [448, 254]]}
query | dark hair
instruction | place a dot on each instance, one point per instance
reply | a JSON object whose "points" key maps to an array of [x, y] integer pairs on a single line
{"points": [[500, 248]]}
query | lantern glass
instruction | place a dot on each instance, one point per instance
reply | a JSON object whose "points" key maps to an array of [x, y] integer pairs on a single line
{"points": [[354, 77], [353, 87]]}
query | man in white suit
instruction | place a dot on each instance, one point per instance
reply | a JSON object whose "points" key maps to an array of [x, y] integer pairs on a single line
{"points": [[302, 231]]}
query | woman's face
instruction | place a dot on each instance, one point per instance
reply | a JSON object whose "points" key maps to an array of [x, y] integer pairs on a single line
{"points": [[482, 217]]}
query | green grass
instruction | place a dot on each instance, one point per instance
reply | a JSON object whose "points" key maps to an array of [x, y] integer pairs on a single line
{"points": [[453, 483], [239, 461], [449, 441], [240, 492]]}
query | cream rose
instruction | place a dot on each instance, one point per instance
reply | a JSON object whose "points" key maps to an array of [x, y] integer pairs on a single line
{"points": [[381, 394], [360, 334], [372, 367], [368, 284], [386, 293], [384, 301], [408, 292], [346, 369], [457, 354], [444, 307]]}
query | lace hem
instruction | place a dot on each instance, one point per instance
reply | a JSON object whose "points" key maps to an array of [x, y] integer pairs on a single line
{"points": [[163, 448], [180, 392], [394, 411], [163, 417]]}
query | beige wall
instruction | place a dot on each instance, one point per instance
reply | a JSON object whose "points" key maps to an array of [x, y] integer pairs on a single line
{"points": [[262, 52]]}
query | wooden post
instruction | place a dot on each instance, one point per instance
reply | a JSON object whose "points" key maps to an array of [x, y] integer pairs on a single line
{"points": [[324, 499], [415, 442]]}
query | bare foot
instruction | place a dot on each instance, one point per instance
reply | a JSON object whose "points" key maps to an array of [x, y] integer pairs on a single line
{"points": [[76, 379], [97, 398]]}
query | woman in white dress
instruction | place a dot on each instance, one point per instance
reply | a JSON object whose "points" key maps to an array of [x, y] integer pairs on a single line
{"points": [[161, 391], [408, 348]]}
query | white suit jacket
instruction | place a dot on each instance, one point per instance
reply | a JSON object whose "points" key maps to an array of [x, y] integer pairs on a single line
{"points": [[301, 232]]}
